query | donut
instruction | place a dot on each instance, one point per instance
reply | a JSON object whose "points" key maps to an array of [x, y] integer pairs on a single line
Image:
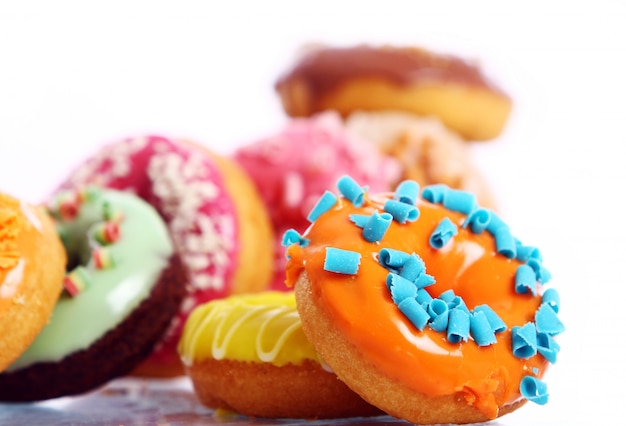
{"points": [[427, 151], [292, 167], [32, 265], [121, 290], [219, 225], [424, 303], [248, 354], [414, 80]]}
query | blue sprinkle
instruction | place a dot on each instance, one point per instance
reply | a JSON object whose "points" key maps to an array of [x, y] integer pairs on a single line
{"points": [[447, 296], [547, 321], [392, 259], [401, 212], [542, 274], [442, 233], [407, 192], [547, 347], [291, 236], [495, 224], [458, 326], [457, 302], [359, 220], [534, 390], [400, 288], [459, 201], [505, 243], [423, 297], [325, 203], [424, 280], [525, 280], [478, 220], [524, 340], [495, 322], [351, 190], [438, 311], [412, 309], [342, 261], [377, 226], [413, 267], [551, 298], [481, 330], [435, 193], [524, 253]]}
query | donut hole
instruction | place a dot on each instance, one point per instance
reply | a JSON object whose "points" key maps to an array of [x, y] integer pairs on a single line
{"points": [[85, 235]]}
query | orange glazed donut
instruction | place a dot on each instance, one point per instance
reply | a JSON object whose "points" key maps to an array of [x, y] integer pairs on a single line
{"points": [[368, 78], [425, 305], [32, 266]]}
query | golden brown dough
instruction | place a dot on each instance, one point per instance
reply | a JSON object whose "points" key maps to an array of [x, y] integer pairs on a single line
{"points": [[390, 78], [32, 266]]}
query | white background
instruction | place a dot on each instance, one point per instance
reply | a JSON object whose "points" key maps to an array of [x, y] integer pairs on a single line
{"points": [[73, 76]]}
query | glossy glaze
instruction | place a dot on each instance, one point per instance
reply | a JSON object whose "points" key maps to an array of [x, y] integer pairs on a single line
{"points": [[263, 327], [424, 361], [142, 252]]}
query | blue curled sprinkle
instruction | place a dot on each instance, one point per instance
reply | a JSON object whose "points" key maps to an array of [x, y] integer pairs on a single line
{"points": [[447, 296], [505, 243], [547, 321], [524, 340], [495, 224], [542, 274], [495, 322], [325, 203], [351, 190], [423, 297], [551, 298], [392, 259], [442, 233], [400, 288], [376, 227], [342, 261], [459, 201], [525, 280], [478, 220], [424, 280], [401, 212], [413, 267], [457, 302], [438, 311], [359, 220], [458, 326], [415, 312], [524, 253], [435, 193], [407, 192], [481, 330], [547, 347], [534, 390], [291, 236]]}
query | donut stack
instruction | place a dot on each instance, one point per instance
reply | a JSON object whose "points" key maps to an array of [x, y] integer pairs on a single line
{"points": [[350, 264], [98, 281], [422, 303]]}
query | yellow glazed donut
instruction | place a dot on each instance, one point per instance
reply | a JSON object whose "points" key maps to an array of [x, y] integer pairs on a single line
{"points": [[32, 266], [248, 353], [424, 303]]}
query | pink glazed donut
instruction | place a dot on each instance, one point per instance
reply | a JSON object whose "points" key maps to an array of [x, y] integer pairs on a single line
{"points": [[210, 206], [294, 166]]}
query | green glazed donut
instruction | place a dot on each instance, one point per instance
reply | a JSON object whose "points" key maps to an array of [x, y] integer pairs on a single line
{"points": [[121, 262]]}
